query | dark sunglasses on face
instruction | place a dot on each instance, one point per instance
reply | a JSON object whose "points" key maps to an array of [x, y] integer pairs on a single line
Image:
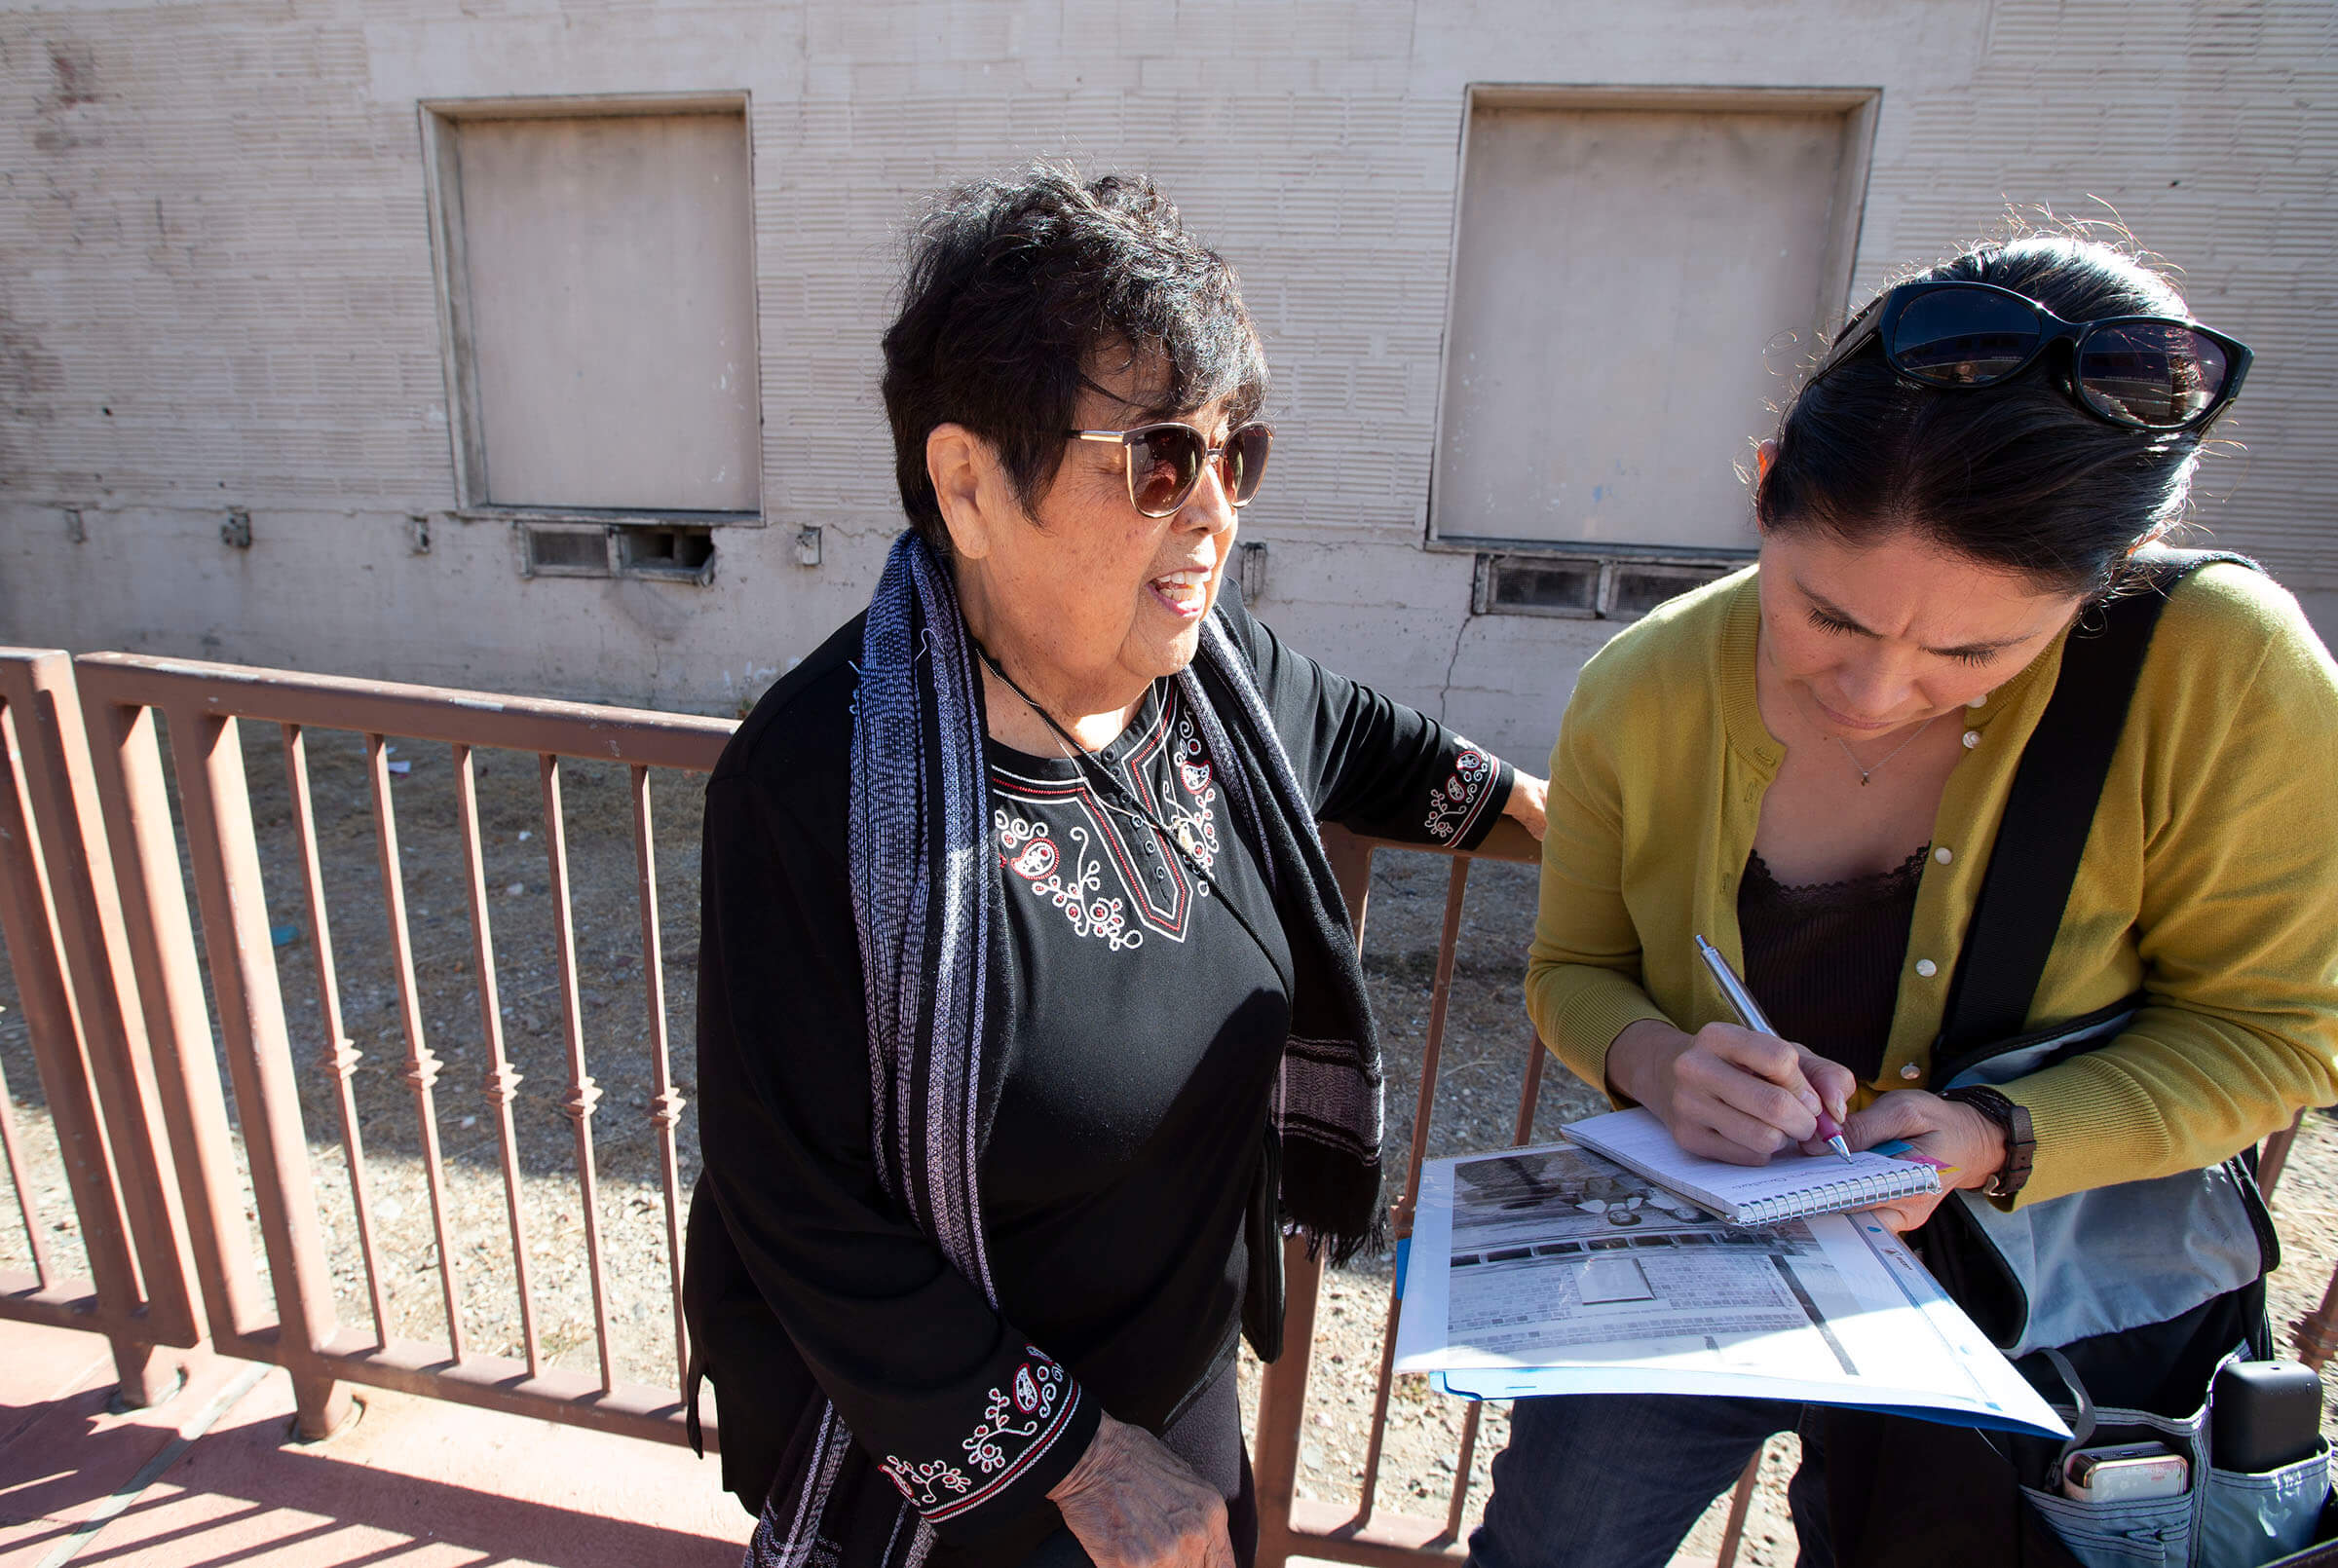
{"points": [[2143, 372], [1165, 461]]}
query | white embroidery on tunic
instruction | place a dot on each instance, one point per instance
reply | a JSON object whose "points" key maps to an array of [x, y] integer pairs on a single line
{"points": [[1456, 805], [1019, 1423], [1153, 880], [1191, 817], [1029, 850]]}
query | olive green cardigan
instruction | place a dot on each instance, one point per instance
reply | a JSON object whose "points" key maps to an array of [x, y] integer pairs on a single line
{"points": [[2210, 880]]}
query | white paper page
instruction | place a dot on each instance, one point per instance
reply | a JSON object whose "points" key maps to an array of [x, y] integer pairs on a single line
{"points": [[1638, 1137], [1550, 1270], [1421, 1265]]}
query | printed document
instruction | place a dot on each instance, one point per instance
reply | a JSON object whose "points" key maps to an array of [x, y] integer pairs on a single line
{"points": [[1555, 1271]]}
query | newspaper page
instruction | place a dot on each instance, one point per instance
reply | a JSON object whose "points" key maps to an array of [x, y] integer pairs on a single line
{"points": [[1553, 1271]]}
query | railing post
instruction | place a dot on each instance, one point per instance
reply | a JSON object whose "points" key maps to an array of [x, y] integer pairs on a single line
{"points": [[2316, 1333], [65, 923], [2275, 1154], [228, 888], [1283, 1385], [64, 795], [1283, 1406], [134, 805], [28, 922]]}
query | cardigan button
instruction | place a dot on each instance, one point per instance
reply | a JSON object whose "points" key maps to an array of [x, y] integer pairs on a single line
{"points": [[1927, 968], [1971, 738], [1943, 854], [1911, 1072]]}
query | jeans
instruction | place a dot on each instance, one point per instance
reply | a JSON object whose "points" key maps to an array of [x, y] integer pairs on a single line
{"points": [[1615, 1480]]}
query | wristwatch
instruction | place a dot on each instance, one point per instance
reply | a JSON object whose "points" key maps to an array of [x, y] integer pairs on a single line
{"points": [[2021, 1142]]}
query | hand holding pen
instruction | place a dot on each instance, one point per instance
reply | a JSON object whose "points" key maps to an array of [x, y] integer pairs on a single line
{"points": [[1729, 1092], [1750, 1014]]}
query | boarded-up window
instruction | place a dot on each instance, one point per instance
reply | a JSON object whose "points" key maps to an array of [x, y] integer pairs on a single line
{"points": [[602, 290], [1634, 279]]}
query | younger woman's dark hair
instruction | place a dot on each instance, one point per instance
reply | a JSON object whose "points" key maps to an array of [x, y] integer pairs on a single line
{"points": [[2012, 475], [1020, 291]]}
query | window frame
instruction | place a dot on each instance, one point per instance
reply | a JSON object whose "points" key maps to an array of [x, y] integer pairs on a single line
{"points": [[441, 123], [1859, 106]]}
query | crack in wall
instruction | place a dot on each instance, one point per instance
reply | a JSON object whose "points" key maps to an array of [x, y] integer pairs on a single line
{"points": [[1452, 660]]}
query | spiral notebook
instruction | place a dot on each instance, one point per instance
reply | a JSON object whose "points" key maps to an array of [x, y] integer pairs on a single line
{"points": [[1791, 1186]]}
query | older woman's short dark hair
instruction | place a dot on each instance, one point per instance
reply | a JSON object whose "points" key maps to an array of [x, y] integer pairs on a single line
{"points": [[1020, 291], [2015, 476]]}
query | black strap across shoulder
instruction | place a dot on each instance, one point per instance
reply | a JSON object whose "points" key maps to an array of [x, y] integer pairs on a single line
{"points": [[2050, 810]]}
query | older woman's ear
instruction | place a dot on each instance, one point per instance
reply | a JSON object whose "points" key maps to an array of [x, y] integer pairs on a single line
{"points": [[958, 463]]}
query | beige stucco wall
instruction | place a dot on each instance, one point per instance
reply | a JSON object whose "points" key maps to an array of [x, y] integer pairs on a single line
{"points": [[216, 287]]}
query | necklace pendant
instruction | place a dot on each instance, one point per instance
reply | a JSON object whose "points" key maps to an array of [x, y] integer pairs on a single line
{"points": [[1862, 781]]}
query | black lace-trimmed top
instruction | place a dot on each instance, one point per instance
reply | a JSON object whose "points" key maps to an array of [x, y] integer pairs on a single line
{"points": [[1824, 958]]}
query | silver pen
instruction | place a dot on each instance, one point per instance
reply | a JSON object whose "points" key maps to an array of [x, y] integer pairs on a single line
{"points": [[1750, 1014]]}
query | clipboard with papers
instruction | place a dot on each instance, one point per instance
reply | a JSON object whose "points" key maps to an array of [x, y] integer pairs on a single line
{"points": [[1553, 1270]]}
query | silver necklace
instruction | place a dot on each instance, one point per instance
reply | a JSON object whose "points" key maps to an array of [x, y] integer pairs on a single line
{"points": [[1865, 773]]}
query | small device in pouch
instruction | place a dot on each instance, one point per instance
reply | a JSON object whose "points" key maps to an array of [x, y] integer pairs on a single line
{"points": [[2266, 1414], [2128, 1472]]}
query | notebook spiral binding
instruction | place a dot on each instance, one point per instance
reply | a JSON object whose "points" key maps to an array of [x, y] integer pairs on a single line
{"points": [[1857, 1192]]}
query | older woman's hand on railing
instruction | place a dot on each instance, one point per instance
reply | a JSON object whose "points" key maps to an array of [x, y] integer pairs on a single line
{"points": [[1133, 1504], [1526, 803]]}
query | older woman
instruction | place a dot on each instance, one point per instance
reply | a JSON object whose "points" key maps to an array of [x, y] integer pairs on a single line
{"points": [[1817, 764], [1025, 986]]}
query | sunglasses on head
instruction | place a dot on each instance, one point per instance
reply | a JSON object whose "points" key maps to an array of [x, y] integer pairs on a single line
{"points": [[1165, 461], [2143, 372]]}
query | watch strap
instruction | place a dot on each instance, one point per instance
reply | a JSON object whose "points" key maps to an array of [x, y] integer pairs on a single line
{"points": [[2020, 1138]]}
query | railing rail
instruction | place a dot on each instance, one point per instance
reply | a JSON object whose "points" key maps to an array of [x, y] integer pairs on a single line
{"points": [[95, 910], [62, 923]]}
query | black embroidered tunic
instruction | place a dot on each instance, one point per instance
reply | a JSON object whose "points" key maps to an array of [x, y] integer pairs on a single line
{"points": [[1123, 1154], [1148, 1025]]}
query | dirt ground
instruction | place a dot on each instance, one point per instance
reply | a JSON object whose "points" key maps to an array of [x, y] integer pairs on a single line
{"points": [[1486, 1047]]}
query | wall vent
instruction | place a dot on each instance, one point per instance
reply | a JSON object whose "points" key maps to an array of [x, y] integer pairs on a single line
{"points": [[1633, 588], [665, 552], [687, 553], [1584, 587], [1537, 585], [566, 552]]}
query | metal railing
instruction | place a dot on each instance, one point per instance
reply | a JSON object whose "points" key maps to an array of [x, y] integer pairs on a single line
{"points": [[94, 878], [201, 707]]}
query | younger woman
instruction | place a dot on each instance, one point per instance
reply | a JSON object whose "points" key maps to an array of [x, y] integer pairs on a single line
{"points": [[1809, 763]]}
